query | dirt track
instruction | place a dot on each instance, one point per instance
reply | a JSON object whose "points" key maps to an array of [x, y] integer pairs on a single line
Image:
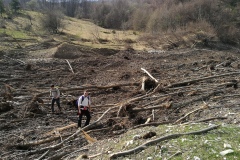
{"points": [[24, 75]]}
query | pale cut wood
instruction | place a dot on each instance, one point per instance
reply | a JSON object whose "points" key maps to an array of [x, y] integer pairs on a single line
{"points": [[149, 75], [70, 66], [61, 129], [143, 83], [89, 138]]}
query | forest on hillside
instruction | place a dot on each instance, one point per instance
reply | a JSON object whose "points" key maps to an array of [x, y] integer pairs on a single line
{"points": [[220, 18]]}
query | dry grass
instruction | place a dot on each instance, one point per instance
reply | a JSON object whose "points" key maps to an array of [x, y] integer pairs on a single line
{"points": [[78, 31], [84, 32], [205, 146]]}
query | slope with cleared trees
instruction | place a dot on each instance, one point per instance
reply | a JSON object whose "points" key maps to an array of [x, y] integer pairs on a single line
{"points": [[167, 99]]}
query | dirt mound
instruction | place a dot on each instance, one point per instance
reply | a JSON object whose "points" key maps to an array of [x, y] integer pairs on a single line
{"points": [[69, 51], [72, 51], [106, 51]]}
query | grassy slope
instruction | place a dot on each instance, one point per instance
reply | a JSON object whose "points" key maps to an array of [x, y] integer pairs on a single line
{"points": [[204, 146], [86, 33], [75, 30]]}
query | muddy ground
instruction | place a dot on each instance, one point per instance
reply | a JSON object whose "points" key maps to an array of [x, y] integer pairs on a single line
{"points": [[28, 72]]}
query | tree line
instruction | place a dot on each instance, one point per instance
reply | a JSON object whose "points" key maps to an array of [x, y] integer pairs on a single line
{"points": [[152, 16]]}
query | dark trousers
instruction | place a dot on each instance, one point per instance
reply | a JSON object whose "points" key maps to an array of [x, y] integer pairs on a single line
{"points": [[87, 114], [58, 104]]}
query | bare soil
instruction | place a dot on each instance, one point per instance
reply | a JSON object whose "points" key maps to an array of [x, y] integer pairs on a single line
{"points": [[30, 71]]}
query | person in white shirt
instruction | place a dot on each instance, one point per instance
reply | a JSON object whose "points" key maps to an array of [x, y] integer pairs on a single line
{"points": [[55, 94], [84, 108]]}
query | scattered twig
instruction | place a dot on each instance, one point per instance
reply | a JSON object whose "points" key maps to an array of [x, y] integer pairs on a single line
{"points": [[202, 107], [175, 154], [119, 110], [205, 120], [70, 66], [16, 60], [152, 124], [42, 156]]}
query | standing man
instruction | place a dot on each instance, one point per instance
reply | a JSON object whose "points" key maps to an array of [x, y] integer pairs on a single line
{"points": [[84, 108], [55, 94]]}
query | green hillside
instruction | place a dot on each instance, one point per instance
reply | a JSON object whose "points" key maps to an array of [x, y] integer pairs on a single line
{"points": [[25, 29]]}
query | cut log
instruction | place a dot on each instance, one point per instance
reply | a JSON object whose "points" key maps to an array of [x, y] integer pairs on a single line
{"points": [[61, 129]]}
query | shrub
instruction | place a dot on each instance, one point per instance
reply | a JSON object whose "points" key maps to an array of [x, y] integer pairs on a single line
{"points": [[52, 21], [129, 41]]}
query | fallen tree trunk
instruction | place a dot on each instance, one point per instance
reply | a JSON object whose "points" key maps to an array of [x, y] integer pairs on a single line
{"points": [[61, 129], [177, 105], [185, 83], [152, 142]]}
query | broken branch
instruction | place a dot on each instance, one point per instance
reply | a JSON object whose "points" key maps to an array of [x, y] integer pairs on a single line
{"points": [[70, 66]]}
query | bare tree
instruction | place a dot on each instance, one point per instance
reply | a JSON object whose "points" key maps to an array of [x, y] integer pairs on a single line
{"points": [[2, 8], [33, 4], [52, 21], [70, 7]]}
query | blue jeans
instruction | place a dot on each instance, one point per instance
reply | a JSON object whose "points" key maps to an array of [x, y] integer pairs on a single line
{"points": [[57, 100]]}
